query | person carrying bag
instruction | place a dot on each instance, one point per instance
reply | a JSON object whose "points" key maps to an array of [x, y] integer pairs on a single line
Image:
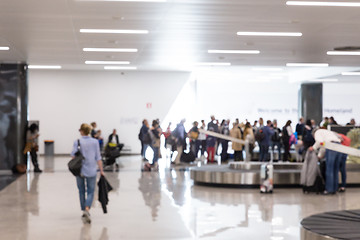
{"points": [[86, 180]]}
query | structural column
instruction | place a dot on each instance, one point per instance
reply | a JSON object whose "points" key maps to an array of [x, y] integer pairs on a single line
{"points": [[13, 114], [311, 101]]}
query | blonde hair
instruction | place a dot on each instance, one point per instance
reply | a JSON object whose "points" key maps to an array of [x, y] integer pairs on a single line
{"points": [[85, 128]]}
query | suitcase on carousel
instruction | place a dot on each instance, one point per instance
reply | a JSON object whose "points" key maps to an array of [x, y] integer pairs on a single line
{"points": [[267, 176]]}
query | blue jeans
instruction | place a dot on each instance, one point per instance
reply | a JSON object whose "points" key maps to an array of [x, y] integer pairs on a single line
{"points": [[90, 189], [332, 170], [343, 169], [144, 150], [278, 144], [156, 154], [264, 150]]}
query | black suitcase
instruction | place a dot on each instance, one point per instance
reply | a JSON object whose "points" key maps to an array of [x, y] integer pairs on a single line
{"points": [[187, 157]]}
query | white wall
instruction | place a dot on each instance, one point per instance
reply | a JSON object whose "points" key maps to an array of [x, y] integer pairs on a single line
{"points": [[62, 100], [341, 100]]}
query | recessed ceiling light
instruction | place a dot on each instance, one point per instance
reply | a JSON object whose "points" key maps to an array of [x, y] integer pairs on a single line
{"points": [[344, 53], [4, 48], [44, 67], [350, 73], [110, 50], [271, 34], [213, 64], [107, 62], [119, 68], [125, 31], [324, 80], [268, 69], [235, 51], [307, 64], [121, 0], [324, 4]]}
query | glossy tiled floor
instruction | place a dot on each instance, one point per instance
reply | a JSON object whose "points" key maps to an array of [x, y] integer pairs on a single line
{"points": [[151, 205]]}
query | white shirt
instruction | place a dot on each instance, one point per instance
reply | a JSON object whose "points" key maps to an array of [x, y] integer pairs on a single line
{"points": [[323, 135]]}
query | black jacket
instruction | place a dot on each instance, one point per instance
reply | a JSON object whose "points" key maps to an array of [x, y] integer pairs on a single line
{"points": [[104, 188], [110, 138]]}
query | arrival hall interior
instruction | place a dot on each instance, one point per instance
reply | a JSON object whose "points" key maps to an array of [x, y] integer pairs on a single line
{"points": [[67, 64]]}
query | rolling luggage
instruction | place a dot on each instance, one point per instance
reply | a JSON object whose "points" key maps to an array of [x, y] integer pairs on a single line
{"points": [[267, 176], [312, 174]]}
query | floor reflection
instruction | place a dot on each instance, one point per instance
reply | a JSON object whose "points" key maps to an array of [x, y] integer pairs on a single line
{"points": [[150, 187], [85, 233]]}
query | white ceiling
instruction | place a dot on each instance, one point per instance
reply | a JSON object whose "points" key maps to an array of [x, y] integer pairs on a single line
{"points": [[180, 33]]}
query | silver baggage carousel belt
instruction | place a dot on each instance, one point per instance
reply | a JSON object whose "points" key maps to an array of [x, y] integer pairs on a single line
{"points": [[332, 225], [248, 175]]}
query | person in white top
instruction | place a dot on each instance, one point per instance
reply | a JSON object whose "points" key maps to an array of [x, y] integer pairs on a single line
{"points": [[333, 158]]}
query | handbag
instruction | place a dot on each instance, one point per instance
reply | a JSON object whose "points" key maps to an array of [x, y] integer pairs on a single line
{"points": [[75, 164]]}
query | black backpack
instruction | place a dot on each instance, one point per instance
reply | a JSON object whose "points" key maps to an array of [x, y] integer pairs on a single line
{"points": [[259, 135], [276, 136]]}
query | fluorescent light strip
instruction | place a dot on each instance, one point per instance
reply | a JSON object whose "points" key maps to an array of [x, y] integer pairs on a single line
{"points": [[212, 64], [4, 48], [114, 31], [235, 51], [271, 34], [107, 62], [324, 4], [121, 0], [268, 69], [350, 73], [119, 68], [324, 80], [344, 53], [307, 64], [110, 50], [44, 67]]}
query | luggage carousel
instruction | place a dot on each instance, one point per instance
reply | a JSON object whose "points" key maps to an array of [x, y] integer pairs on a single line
{"points": [[332, 225], [241, 174]]}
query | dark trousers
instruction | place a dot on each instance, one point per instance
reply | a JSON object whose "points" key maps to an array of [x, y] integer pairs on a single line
{"points": [[238, 155], [278, 144], [202, 146], [264, 150], [224, 155], [286, 151], [34, 158]]}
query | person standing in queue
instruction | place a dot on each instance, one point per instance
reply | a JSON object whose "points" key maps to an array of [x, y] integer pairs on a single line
{"points": [[90, 149]]}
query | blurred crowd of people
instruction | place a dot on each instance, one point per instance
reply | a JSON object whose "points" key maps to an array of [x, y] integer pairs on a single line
{"points": [[264, 135]]}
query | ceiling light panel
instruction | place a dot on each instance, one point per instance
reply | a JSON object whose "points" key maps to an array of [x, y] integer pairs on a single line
{"points": [[344, 53], [323, 4], [44, 67], [350, 73], [271, 34], [110, 50], [119, 68], [307, 64], [116, 31], [107, 62], [212, 64], [267, 69], [121, 0], [324, 80], [4, 48], [235, 51]]}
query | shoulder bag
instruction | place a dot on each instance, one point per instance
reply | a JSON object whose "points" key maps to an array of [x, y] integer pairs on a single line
{"points": [[75, 164]]}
